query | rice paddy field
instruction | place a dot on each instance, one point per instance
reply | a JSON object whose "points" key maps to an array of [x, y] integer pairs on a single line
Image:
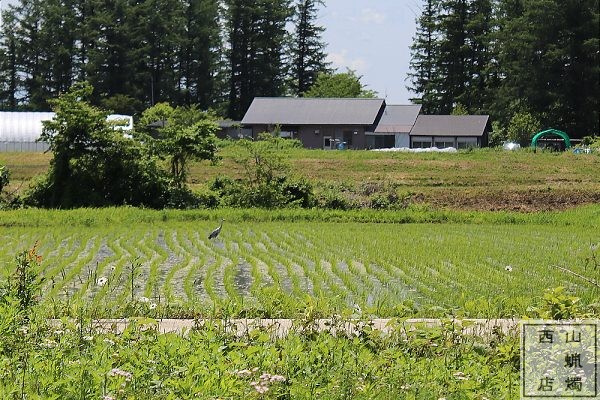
{"points": [[270, 264], [458, 250]]}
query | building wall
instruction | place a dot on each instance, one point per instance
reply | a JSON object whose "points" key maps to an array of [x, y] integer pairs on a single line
{"points": [[30, 147], [234, 133], [459, 142], [402, 140], [313, 136]]}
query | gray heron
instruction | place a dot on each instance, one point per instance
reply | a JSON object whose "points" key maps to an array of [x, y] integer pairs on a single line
{"points": [[216, 232]]}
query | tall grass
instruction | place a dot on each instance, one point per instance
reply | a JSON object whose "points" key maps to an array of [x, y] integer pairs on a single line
{"points": [[588, 216]]}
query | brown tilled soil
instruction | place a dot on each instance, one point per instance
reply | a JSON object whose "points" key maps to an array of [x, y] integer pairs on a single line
{"points": [[508, 200]]}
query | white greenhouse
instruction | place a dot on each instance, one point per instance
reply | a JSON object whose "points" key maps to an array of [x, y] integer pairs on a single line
{"points": [[19, 131]]}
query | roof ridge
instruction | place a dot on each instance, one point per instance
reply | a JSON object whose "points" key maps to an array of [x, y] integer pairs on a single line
{"points": [[319, 98]]}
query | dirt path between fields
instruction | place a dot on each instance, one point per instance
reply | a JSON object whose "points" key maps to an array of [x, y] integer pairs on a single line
{"points": [[281, 327]]}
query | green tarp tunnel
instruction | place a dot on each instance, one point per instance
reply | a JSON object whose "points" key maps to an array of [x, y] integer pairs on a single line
{"points": [[551, 132]]}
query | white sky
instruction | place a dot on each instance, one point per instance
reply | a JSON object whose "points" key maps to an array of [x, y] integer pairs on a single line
{"points": [[371, 37]]}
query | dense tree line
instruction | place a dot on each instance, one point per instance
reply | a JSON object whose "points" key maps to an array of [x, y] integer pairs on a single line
{"points": [[534, 58], [217, 54]]}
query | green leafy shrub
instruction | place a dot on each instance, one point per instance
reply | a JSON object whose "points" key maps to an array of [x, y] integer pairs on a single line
{"points": [[266, 182], [591, 141], [92, 164], [23, 284], [390, 200], [334, 199], [558, 304], [4, 181], [207, 198], [522, 127], [183, 134]]}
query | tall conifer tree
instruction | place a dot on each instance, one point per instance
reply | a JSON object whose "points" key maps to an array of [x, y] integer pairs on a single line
{"points": [[256, 32], [307, 49], [424, 63], [9, 73], [200, 54]]}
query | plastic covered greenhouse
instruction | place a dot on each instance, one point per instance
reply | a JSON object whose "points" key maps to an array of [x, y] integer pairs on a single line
{"points": [[19, 131]]}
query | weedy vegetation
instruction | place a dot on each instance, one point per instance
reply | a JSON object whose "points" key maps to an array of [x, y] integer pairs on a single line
{"points": [[367, 250]]}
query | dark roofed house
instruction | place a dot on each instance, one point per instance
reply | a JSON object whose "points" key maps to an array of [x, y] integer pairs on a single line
{"points": [[316, 122], [393, 129], [229, 129], [459, 131]]}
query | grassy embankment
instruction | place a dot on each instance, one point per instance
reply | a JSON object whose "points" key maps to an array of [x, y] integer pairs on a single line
{"points": [[479, 180]]}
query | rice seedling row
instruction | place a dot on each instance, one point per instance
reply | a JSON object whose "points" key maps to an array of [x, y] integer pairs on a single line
{"points": [[363, 264]]}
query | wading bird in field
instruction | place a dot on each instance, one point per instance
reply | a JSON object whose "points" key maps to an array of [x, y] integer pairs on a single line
{"points": [[216, 232]]}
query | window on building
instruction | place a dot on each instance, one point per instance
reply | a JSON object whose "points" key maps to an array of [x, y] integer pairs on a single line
{"points": [[443, 143], [421, 142], [381, 141], [466, 142]]}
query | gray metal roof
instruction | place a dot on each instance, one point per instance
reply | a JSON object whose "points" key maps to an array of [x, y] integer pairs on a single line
{"points": [[450, 125], [398, 118], [312, 111]]}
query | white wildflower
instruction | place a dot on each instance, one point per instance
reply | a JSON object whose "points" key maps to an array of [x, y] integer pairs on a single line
{"points": [[119, 372], [508, 268], [277, 378], [243, 373], [261, 389], [152, 306], [460, 376], [102, 281]]}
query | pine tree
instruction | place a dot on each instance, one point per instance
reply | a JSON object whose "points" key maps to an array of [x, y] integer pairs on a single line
{"points": [[256, 34], [110, 66], [9, 73], [481, 68], [239, 28], [307, 50], [550, 60], [156, 32], [424, 59], [58, 46], [453, 55], [29, 58], [200, 56]]}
